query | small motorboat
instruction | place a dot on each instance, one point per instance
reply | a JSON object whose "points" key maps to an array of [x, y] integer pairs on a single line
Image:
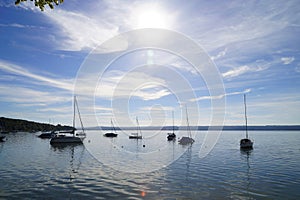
{"points": [[49, 134]]}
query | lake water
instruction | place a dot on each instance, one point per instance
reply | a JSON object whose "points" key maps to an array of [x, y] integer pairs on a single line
{"points": [[30, 168]]}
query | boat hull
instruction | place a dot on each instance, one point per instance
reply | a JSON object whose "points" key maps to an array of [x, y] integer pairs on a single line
{"points": [[47, 135], [135, 137], [171, 136], [66, 140], [246, 144], [110, 135], [186, 140]]}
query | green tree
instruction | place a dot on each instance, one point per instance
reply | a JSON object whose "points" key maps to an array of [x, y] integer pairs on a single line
{"points": [[42, 3]]}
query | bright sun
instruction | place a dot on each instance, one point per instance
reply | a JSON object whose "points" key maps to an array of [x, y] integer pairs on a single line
{"points": [[151, 16]]}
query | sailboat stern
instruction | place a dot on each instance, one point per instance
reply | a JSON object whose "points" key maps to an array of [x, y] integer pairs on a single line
{"points": [[186, 140], [246, 143]]}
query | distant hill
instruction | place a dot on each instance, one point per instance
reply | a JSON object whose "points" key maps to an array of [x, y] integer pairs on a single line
{"points": [[12, 125]]}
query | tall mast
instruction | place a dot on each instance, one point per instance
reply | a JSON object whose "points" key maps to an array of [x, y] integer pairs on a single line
{"points": [[246, 116], [112, 125], [173, 120], [74, 114], [79, 115], [138, 128], [187, 122]]}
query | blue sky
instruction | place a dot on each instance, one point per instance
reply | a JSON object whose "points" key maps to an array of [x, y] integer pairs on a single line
{"points": [[254, 46]]}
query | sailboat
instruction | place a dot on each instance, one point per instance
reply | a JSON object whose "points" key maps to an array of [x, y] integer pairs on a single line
{"points": [[63, 138], [187, 140], [246, 143], [138, 130], [111, 134], [172, 136]]}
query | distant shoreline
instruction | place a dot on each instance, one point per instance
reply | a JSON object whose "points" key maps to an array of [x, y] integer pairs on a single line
{"points": [[19, 125], [211, 128]]}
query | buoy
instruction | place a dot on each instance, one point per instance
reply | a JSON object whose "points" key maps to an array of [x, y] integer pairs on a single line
{"points": [[143, 145]]}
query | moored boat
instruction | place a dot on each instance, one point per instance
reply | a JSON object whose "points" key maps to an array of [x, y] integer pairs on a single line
{"points": [[172, 136], [138, 130], [246, 143], [187, 139], [70, 137], [111, 134], [49, 134]]}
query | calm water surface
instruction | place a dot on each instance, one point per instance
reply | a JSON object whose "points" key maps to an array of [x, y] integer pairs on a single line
{"points": [[30, 168]]}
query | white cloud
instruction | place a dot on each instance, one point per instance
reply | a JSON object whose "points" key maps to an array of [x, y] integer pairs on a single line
{"points": [[30, 97], [244, 24], [153, 93], [220, 96], [257, 66], [287, 60], [157, 108], [80, 31], [131, 84], [51, 82], [220, 54], [236, 72]]}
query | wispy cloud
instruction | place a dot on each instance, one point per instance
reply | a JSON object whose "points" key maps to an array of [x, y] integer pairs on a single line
{"points": [[80, 31], [26, 96], [287, 60], [257, 66], [236, 72], [17, 25], [297, 69], [219, 55], [220, 96], [51, 82], [134, 84]]}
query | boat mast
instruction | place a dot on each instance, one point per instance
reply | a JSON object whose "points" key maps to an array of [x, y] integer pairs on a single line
{"points": [[79, 115], [188, 124], [173, 120], [112, 125], [74, 115], [138, 129], [246, 116]]}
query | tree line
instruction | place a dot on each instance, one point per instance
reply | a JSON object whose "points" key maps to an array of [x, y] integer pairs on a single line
{"points": [[15, 125]]}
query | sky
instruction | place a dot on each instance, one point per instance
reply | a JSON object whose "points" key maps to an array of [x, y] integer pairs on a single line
{"points": [[245, 47]]}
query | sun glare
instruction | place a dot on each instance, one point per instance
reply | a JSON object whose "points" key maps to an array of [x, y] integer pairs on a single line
{"points": [[150, 16]]}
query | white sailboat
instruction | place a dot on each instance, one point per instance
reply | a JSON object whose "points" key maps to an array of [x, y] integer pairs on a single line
{"points": [[65, 138], [187, 140], [138, 130], [172, 136], [246, 143]]}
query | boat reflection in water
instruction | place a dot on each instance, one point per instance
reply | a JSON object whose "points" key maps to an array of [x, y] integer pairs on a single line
{"points": [[246, 153]]}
